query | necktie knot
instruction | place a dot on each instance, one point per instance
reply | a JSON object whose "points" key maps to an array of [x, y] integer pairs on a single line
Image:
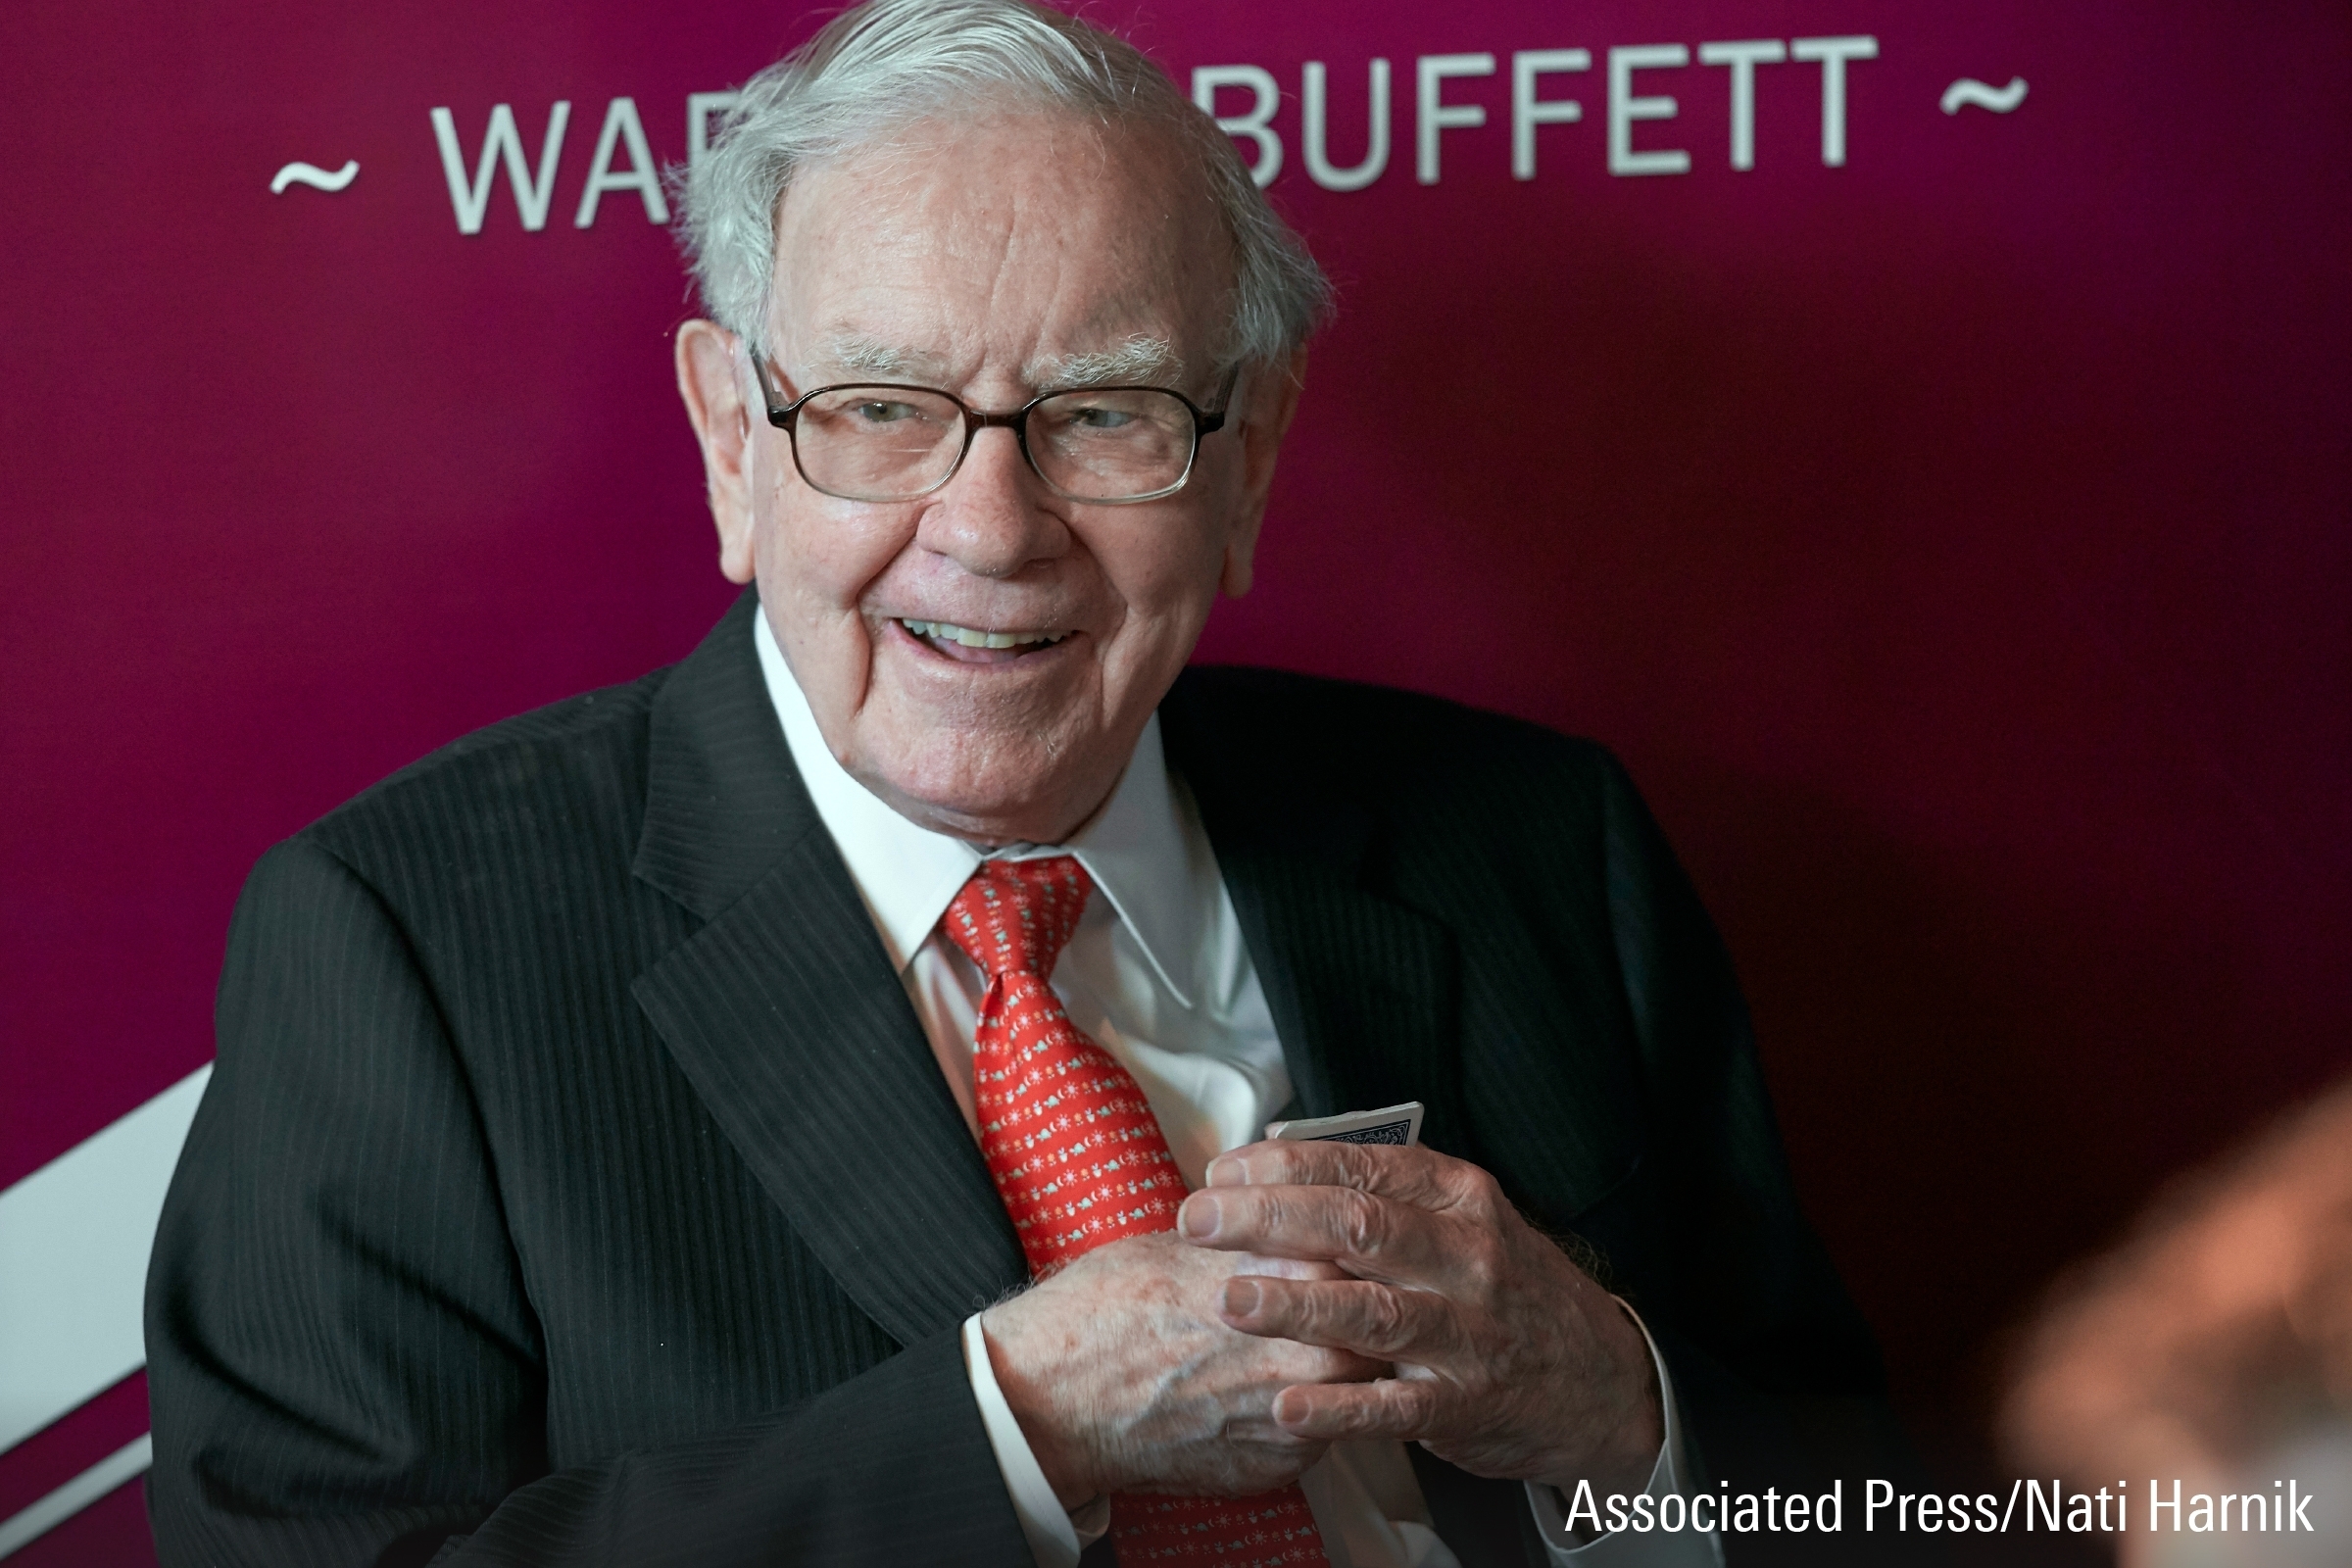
{"points": [[1016, 916]]}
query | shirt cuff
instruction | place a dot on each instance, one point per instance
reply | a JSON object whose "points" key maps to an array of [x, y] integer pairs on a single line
{"points": [[1576, 1528], [1055, 1536]]}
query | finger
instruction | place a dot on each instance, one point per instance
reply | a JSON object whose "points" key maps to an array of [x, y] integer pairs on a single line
{"points": [[1403, 1408], [1371, 1319], [1289, 1268], [1253, 1444], [1413, 1175], [1370, 1236], [1254, 1368], [1261, 1432]]}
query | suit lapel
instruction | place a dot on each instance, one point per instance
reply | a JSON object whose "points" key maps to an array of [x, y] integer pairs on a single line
{"points": [[1361, 988], [785, 1014], [1365, 997], [1367, 990]]}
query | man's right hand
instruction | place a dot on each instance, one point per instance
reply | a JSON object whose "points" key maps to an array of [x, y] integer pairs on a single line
{"points": [[1123, 1379]]}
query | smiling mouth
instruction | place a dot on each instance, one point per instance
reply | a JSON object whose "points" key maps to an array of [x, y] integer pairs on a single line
{"points": [[971, 645]]}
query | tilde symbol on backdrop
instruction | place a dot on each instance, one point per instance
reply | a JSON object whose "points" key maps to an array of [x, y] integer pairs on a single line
{"points": [[300, 174], [1969, 91]]}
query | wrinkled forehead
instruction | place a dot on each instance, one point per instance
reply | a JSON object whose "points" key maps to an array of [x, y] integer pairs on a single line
{"points": [[1011, 247]]}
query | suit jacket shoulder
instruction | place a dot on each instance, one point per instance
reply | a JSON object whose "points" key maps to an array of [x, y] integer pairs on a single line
{"points": [[1392, 744], [1449, 802], [574, 768]]}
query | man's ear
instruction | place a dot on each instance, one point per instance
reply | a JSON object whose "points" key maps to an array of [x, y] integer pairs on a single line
{"points": [[1266, 412], [712, 388]]}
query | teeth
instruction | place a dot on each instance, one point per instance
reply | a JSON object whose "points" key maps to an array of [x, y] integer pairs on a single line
{"points": [[980, 639]]}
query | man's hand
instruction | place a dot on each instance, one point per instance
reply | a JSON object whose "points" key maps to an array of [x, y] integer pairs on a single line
{"points": [[1509, 1360], [1124, 1379]]}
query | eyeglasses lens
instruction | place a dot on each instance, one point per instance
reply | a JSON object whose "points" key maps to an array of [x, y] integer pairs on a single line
{"points": [[878, 443], [1111, 445]]}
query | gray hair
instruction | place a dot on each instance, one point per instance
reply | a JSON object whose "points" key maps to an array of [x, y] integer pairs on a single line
{"points": [[888, 62]]}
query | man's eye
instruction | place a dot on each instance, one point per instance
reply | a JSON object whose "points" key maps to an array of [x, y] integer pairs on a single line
{"points": [[884, 412], [1100, 418]]}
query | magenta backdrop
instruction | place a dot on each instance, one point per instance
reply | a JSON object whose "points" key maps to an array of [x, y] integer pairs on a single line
{"points": [[1954, 542]]}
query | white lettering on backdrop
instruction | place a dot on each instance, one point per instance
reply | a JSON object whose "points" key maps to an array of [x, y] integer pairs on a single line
{"points": [[1434, 112], [1246, 101]]}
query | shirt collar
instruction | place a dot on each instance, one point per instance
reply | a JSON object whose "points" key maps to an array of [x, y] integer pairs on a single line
{"points": [[1137, 849]]}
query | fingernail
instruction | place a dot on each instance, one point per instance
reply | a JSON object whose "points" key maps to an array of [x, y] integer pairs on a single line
{"points": [[1227, 1171], [1241, 1296], [1198, 1220]]}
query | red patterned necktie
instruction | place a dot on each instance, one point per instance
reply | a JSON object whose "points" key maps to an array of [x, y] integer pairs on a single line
{"points": [[1080, 1162]]}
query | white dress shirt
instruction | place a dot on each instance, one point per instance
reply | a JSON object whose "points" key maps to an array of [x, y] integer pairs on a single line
{"points": [[1158, 976]]}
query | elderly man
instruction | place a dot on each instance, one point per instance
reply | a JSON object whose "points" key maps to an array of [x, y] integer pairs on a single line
{"points": [[635, 1126]]}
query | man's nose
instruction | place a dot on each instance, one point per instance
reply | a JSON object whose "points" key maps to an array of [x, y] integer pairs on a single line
{"points": [[995, 515]]}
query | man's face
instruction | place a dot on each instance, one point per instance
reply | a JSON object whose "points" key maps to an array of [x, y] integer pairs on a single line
{"points": [[991, 259]]}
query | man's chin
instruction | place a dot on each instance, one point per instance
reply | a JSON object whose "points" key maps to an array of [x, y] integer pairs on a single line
{"points": [[1013, 750], [1022, 792]]}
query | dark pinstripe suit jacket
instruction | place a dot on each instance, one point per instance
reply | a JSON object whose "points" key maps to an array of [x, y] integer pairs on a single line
{"points": [[576, 1185]]}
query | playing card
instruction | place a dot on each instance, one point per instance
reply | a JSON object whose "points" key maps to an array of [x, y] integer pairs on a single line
{"points": [[1392, 1124]]}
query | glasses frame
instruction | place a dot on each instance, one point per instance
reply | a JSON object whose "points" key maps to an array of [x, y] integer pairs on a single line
{"points": [[786, 416]]}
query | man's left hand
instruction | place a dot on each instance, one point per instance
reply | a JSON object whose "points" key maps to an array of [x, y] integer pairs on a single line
{"points": [[1510, 1361]]}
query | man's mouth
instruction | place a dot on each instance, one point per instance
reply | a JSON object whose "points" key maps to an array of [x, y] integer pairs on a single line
{"points": [[973, 645]]}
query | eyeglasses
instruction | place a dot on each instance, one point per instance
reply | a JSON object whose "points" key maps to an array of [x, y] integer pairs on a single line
{"points": [[1112, 445]]}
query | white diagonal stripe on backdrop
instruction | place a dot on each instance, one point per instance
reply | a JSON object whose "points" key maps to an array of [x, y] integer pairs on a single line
{"points": [[76, 1495], [73, 1242]]}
